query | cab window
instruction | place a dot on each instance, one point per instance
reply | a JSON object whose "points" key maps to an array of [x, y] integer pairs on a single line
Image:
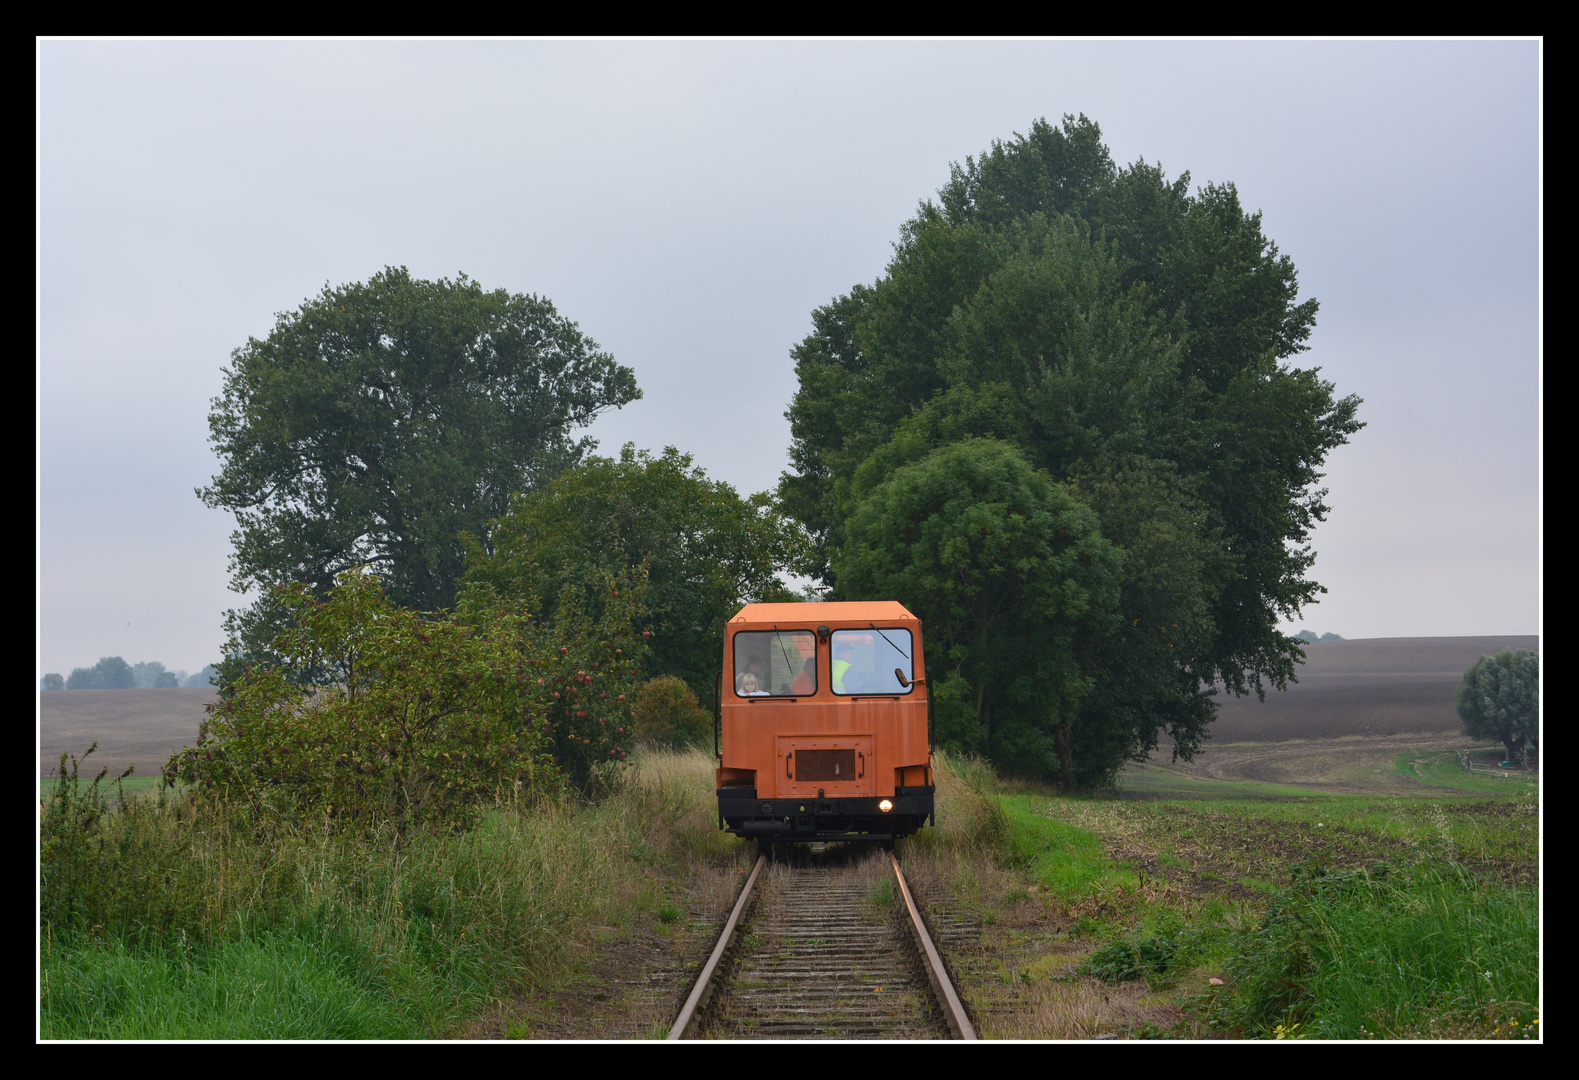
{"points": [[775, 663], [875, 661]]}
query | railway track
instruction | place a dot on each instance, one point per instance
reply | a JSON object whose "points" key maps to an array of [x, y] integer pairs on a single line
{"points": [[831, 948]]}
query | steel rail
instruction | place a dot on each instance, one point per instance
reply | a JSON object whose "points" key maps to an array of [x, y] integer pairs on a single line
{"points": [[704, 982], [948, 1000], [937, 975]]}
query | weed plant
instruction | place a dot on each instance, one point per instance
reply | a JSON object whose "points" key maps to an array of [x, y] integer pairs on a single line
{"points": [[1131, 958]]}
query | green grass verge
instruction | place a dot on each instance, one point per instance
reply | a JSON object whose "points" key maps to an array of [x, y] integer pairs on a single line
{"points": [[1331, 915], [1441, 767], [271, 986], [187, 917], [1425, 951], [1065, 859]]}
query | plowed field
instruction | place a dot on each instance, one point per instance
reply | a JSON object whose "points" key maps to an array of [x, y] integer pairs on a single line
{"points": [[132, 727], [1370, 686]]}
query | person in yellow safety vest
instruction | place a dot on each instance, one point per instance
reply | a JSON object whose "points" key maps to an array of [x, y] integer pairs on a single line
{"points": [[843, 655]]}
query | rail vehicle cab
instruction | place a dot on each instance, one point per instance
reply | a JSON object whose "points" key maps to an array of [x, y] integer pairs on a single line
{"points": [[822, 724]]}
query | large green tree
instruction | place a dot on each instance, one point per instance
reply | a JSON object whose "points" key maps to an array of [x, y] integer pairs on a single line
{"points": [[1499, 698], [1009, 575], [1131, 339], [380, 420], [704, 550]]}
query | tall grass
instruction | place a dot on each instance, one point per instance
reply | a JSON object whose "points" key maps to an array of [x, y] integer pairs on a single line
{"points": [[273, 986], [1443, 942], [959, 860], [1425, 951], [181, 917]]}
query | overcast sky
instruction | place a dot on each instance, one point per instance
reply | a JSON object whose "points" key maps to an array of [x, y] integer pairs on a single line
{"points": [[689, 204]]}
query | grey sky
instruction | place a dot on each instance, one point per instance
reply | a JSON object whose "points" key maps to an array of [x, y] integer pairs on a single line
{"points": [[690, 203]]}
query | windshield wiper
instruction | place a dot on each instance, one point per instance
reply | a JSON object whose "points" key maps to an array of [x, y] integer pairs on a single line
{"points": [[890, 641]]}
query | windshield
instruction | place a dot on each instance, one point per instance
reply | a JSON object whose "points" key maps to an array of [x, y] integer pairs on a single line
{"points": [[775, 663], [872, 661]]}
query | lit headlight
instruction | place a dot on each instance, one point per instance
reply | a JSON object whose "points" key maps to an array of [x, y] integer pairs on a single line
{"points": [[885, 806]]}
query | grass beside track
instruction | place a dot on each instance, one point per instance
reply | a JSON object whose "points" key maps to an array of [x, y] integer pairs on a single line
{"points": [[1318, 915], [177, 918], [1326, 915]]}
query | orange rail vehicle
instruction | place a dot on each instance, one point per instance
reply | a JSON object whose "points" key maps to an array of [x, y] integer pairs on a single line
{"points": [[822, 724]]}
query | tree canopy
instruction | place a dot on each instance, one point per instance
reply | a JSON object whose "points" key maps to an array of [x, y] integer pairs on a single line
{"points": [[1132, 341], [704, 551], [204, 677], [1499, 698], [110, 673], [380, 420], [1006, 571], [149, 673]]}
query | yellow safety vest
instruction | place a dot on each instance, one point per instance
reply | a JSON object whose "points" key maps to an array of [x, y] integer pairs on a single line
{"points": [[839, 668]]}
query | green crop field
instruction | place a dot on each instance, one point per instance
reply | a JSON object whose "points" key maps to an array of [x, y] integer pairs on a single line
{"points": [[132, 785]]}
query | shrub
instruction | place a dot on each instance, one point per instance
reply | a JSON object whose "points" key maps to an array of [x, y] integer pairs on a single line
{"points": [[667, 713], [429, 719]]}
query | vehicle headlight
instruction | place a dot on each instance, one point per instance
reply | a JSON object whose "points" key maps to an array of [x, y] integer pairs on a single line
{"points": [[885, 806]]}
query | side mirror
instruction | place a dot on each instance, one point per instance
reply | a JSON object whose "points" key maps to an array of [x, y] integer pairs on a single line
{"points": [[899, 673]]}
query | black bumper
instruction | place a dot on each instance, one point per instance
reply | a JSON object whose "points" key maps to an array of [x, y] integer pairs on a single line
{"points": [[742, 813]]}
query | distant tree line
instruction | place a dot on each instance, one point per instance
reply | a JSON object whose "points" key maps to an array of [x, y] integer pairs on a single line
{"points": [[114, 673], [1310, 637]]}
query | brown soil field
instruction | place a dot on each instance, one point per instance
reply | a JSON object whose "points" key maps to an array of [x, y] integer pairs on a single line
{"points": [[132, 727], [1368, 686]]}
